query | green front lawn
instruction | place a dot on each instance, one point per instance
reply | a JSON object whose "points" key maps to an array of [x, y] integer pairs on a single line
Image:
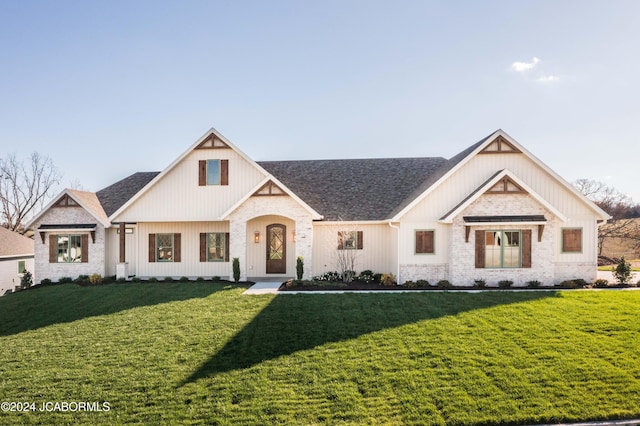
{"points": [[202, 353]]}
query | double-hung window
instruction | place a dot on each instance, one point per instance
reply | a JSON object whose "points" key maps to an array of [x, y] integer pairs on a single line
{"points": [[216, 247], [502, 249], [164, 247], [69, 248]]}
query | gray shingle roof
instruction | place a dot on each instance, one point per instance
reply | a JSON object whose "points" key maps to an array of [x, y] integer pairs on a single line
{"points": [[364, 189], [115, 196]]}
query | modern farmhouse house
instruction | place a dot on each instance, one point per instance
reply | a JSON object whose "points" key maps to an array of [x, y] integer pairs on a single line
{"points": [[492, 212]]}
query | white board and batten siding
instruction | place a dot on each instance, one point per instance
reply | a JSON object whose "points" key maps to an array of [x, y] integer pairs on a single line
{"points": [[378, 253], [177, 196], [189, 265], [9, 276]]}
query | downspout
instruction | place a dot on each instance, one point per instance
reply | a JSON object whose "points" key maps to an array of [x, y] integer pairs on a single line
{"points": [[397, 228]]}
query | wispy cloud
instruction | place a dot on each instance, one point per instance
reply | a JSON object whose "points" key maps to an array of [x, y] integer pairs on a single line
{"points": [[548, 79], [524, 66]]}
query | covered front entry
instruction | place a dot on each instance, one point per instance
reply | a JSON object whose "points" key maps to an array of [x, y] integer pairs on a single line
{"points": [[271, 247], [276, 249]]}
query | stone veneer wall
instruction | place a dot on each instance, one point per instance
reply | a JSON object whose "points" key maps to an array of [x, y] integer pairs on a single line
{"points": [[271, 205], [55, 271], [462, 268]]}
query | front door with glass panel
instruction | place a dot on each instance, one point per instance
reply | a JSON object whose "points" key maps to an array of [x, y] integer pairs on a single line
{"points": [[276, 249]]}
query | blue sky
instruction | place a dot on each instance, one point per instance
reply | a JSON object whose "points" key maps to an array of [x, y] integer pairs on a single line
{"points": [[108, 88]]}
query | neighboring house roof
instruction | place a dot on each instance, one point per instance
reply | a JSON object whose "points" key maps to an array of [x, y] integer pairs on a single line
{"points": [[115, 196], [13, 244], [350, 190]]}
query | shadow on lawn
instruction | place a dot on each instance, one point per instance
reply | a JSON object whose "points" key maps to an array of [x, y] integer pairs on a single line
{"points": [[65, 303], [293, 323]]}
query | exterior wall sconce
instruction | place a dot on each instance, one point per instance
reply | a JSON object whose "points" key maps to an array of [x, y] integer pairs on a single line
{"points": [[293, 236], [256, 237]]}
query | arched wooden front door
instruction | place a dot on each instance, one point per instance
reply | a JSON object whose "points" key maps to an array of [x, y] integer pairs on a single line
{"points": [[276, 249]]}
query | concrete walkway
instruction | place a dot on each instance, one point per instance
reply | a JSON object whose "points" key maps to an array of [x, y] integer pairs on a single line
{"points": [[264, 287]]}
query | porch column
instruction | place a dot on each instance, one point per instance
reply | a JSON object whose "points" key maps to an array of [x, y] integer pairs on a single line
{"points": [[304, 245], [238, 246], [122, 268], [122, 244]]}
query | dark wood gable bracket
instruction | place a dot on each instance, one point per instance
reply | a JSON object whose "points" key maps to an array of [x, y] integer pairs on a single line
{"points": [[269, 189], [212, 142], [66, 201], [500, 145]]}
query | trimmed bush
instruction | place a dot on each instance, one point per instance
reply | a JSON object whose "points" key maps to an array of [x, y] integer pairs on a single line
{"points": [[45, 281], [135, 280], [153, 280], [216, 279], [480, 283], [423, 283], [65, 280], [236, 269], [568, 284], [299, 267], [184, 279], [95, 279], [411, 284], [331, 276], [366, 276], [601, 283], [82, 279], [505, 283], [199, 279], [534, 284], [388, 280], [444, 284]]}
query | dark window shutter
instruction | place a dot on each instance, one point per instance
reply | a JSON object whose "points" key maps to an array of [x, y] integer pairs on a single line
{"points": [[152, 247], [203, 247], [53, 248], [224, 172], [177, 246], [202, 173], [479, 249], [340, 241], [424, 242], [572, 240], [84, 248], [226, 246], [526, 248], [359, 242]]}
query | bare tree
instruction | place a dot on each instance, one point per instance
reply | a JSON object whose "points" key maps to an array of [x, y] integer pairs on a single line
{"points": [[620, 206], [25, 186]]}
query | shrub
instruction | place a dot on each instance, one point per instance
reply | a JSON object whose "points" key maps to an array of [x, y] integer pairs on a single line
{"points": [[366, 276], [153, 280], [199, 279], [135, 280], [46, 281], [444, 284], [534, 284], [184, 279], [236, 269], [388, 279], [216, 279], [622, 272], [299, 267], [601, 283], [505, 283], [167, 279], [95, 279], [580, 282], [82, 279], [423, 283], [411, 284], [65, 280], [480, 283], [27, 279], [331, 276], [121, 280], [568, 284], [348, 276]]}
